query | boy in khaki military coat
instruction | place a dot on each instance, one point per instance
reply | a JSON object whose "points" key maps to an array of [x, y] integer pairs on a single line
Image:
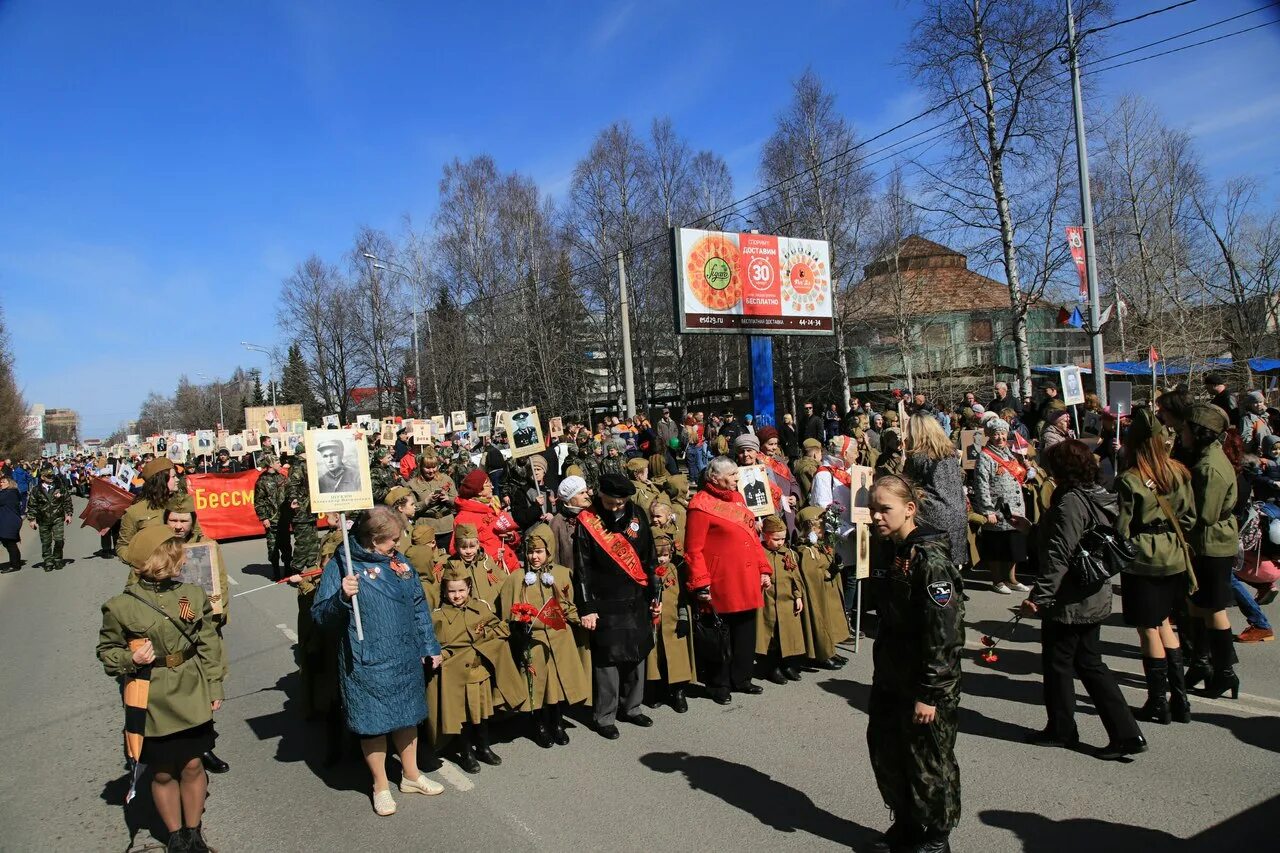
{"points": [[779, 627]]}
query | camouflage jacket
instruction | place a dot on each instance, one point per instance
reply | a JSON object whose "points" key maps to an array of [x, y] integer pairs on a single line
{"points": [[296, 488], [45, 506], [268, 494], [382, 479]]}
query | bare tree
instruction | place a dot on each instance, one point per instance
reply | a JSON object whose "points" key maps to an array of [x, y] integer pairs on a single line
{"points": [[317, 311]]}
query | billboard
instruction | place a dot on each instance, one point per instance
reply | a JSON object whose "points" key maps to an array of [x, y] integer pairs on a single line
{"points": [[271, 420], [740, 283]]}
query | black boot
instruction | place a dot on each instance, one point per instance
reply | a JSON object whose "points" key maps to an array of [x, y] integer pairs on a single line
{"points": [[679, 703], [541, 734], [195, 840], [1157, 708], [1196, 642], [179, 841], [933, 842], [556, 724], [1179, 706], [213, 763], [484, 752], [466, 754], [1222, 650]]}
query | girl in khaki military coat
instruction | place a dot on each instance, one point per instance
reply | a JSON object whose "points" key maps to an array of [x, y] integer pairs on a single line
{"points": [[478, 672], [779, 626], [486, 574], [553, 668], [671, 661], [163, 631], [824, 621], [662, 518]]}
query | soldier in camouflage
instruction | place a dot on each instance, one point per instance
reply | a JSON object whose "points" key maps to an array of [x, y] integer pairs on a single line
{"points": [[296, 505], [381, 477], [268, 498], [915, 687], [49, 511]]}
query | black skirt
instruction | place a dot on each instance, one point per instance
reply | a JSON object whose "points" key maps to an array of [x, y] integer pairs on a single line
{"points": [[175, 750], [1213, 575], [1002, 546], [1148, 600]]}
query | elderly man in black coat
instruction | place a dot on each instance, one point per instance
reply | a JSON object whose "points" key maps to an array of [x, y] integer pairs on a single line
{"points": [[618, 598]]}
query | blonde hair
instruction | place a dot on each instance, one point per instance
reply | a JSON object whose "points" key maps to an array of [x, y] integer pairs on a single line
{"points": [[165, 561], [925, 436], [901, 487]]}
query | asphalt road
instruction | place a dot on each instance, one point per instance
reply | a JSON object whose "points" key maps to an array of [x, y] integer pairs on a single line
{"points": [[785, 770]]}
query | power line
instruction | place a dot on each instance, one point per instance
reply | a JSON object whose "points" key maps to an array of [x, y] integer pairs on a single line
{"points": [[1137, 17], [1190, 32], [1187, 46]]}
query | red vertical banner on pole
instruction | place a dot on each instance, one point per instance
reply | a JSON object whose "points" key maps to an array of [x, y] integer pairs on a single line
{"points": [[1075, 240], [762, 295]]}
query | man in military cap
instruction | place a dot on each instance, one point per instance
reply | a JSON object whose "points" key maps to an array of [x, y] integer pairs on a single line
{"points": [[49, 511], [618, 596], [806, 467], [337, 473], [268, 501], [434, 493]]}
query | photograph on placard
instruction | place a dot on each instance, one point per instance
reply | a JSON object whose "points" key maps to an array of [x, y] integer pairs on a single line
{"points": [[1072, 386], [297, 427], [133, 440], [388, 437], [421, 431], [125, 475], [555, 427], [337, 471], [458, 421], [201, 568], [483, 425], [970, 447], [753, 485], [860, 479], [206, 442], [862, 550], [252, 441], [439, 426], [160, 445], [1121, 399], [524, 431], [366, 422], [329, 421]]}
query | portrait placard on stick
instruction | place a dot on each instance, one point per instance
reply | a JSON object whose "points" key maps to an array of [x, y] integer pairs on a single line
{"points": [[206, 442], [439, 426], [1122, 399], [555, 427], [202, 569], [524, 432], [388, 434], [860, 493], [1072, 385], [862, 550], [337, 471], [458, 421], [252, 441], [483, 425], [421, 432], [753, 484], [970, 447], [329, 421], [365, 422]]}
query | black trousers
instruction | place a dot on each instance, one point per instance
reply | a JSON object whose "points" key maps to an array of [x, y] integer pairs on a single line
{"points": [[736, 671], [1070, 651], [111, 540], [11, 546]]}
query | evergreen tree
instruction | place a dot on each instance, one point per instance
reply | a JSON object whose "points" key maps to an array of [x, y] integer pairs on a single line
{"points": [[258, 399], [16, 441], [295, 387]]}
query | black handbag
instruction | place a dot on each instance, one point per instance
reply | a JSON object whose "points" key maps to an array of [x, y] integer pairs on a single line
{"points": [[1101, 554], [710, 638]]}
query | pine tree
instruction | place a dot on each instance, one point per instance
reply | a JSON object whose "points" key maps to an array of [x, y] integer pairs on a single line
{"points": [[16, 441], [258, 399], [295, 387]]}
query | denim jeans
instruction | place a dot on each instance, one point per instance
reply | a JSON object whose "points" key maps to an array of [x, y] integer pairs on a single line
{"points": [[1248, 607]]}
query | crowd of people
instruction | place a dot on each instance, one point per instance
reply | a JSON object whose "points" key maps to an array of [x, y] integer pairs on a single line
{"points": [[621, 566]]}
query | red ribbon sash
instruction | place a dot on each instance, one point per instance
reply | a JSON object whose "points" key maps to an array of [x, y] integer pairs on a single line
{"points": [[731, 512], [615, 545], [845, 478], [1012, 467]]}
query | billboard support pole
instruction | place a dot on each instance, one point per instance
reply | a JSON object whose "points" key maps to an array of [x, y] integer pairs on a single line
{"points": [[627, 376], [762, 403]]}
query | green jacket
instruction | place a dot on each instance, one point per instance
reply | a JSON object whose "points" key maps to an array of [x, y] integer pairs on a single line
{"points": [[49, 506], [136, 517], [1159, 552], [268, 494], [1213, 483], [180, 697]]}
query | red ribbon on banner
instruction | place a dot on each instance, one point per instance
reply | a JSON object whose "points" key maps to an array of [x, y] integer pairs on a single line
{"points": [[224, 504], [1075, 240]]}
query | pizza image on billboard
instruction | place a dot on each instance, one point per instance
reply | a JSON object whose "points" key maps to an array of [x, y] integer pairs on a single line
{"points": [[746, 283]]}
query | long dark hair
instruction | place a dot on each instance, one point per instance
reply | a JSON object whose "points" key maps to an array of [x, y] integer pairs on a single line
{"points": [[155, 490]]}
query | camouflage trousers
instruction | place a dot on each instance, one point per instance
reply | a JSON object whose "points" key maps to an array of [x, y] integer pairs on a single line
{"points": [[51, 537], [915, 766], [306, 544]]}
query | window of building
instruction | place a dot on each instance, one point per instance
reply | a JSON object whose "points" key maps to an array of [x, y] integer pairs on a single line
{"points": [[936, 336], [981, 331]]}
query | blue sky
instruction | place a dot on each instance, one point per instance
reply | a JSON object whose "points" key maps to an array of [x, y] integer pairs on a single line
{"points": [[164, 165]]}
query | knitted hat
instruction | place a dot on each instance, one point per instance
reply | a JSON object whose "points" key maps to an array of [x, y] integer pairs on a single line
{"points": [[1208, 416], [464, 531], [538, 463], [746, 440], [145, 542], [397, 494], [773, 524], [155, 466], [994, 425], [473, 484], [765, 433], [571, 487], [1257, 397], [614, 485]]}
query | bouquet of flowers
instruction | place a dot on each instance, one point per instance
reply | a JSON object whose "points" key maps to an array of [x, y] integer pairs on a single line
{"points": [[522, 614]]}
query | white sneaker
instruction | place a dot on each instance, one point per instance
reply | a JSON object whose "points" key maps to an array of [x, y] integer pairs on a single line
{"points": [[383, 805], [1002, 589], [421, 785], [1021, 587]]}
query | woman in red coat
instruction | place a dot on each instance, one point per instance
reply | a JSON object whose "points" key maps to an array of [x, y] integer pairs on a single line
{"points": [[475, 505], [727, 570]]}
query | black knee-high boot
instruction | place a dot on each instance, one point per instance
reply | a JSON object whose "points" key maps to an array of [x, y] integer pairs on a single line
{"points": [[466, 753], [1222, 649], [1179, 705], [1157, 708], [556, 723], [484, 752], [1196, 641]]}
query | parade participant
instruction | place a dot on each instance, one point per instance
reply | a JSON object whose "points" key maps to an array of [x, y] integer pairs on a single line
{"points": [[1072, 614], [1215, 542], [435, 494], [317, 653], [544, 649], [915, 686], [824, 615], [645, 490], [727, 571], [425, 558], [381, 676], [179, 655], [997, 495], [574, 497], [268, 500], [1056, 426], [49, 511], [477, 673], [401, 500], [225, 464], [476, 507], [618, 598], [10, 522], [159, 483], [806, 467], [297, 497], [487, 575], [382, 478], [832, 484], [1156, 513], [671, 661], [932, 464], [762, 449], [662, 517], [779, 625], [677, 489]]}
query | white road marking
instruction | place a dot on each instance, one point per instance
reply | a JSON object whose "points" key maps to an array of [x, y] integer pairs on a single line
{"points": [[231, 579], [288, 632], [452, 774]]}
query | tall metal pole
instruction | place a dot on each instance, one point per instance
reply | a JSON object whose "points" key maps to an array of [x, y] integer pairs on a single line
{"points": [[1086, 208], [417, 363], [626, 338]]}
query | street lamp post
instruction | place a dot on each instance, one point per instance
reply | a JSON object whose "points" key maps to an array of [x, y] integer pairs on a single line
{"points": [[271, 360], [221, 420], [392, 267]]}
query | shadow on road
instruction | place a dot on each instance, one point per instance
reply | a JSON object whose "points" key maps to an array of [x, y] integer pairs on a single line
{"points": [[1263, 732], [778, 806], [969, 721]]}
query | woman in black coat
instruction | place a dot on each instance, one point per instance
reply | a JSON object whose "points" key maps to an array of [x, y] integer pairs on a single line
{"points": [[1073, 615], [10, 521]]}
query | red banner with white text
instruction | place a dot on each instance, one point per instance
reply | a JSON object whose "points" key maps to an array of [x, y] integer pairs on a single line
{"points": [[224, 504]]}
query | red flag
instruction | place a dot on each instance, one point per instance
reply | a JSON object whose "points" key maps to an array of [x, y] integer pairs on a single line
{"points": [[1064, 316], [1153, 358], [552, 615], [1075, 240], [107, 503]]}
